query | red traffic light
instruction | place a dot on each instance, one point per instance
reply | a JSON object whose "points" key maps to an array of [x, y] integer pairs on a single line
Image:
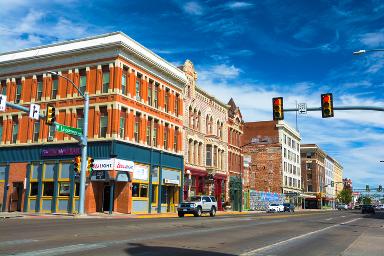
{"points": [[278, 111], [327, 105]]}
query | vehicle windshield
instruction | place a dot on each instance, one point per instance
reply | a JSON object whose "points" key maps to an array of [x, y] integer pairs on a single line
{"points": [[286, 204], [274, 205], [195, 199]]}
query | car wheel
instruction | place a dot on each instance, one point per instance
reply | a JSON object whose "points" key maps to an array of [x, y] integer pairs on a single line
{"points": [[212, 213], [180, 214], [198, 212]]}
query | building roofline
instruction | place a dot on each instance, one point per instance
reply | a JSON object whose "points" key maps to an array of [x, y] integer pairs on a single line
{"points": [[206, 94], [104, 40]]}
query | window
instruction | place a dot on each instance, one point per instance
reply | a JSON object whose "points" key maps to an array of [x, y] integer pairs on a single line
{"points": [[166, 100], [285, 181], [80, 118], [290, 181], [15, 128], [105, 84], [149, 131], [39, 87], [55, 85], [51, 132], [123, 120], [138, 86], [18, 91], [48, 188], [124, 82], [36, 129], [34, 189], [150, 85], [103, 122], [166, 134], [209, 155], [215, 156], [175, 139], [137, 127], [177, 106], [2, 173], [139, 190], [206, 199], [156, 96], [3, 87], [155, 132], [83, 80], [64, 189]]}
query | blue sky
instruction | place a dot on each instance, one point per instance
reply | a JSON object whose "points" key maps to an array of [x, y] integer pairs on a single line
{"points": [[251, 51]]}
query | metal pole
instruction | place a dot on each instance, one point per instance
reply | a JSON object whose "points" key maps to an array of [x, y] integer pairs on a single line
{"points": [[84, 142]]}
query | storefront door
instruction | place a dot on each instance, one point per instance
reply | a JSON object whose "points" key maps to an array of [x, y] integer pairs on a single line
{"points": [[106, 197]]}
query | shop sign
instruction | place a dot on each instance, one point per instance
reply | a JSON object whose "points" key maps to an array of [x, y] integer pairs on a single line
{"points": [[140, 172], [104, 164], [124, 165], [60, 152], [170, 181]]}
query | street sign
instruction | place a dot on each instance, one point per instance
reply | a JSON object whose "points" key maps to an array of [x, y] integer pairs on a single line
{"points": [[34, 111], [302, 108], [3, 101], [69, 130]]}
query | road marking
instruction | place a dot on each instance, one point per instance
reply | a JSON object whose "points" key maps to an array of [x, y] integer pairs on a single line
{"points": [[343, 216], [329, 219], [268, 247], [64, 250], [16, 242]]}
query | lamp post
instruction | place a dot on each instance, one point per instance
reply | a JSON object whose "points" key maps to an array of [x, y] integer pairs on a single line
{"points": [[83, 141], [361, 52]]}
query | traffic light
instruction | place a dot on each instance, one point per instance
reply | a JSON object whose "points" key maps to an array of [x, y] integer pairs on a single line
{"points": [[380, 188], [90, 164], [278, 110], [77, 164], [327, 105], [367, 188], [332, 184], [50, 117]]}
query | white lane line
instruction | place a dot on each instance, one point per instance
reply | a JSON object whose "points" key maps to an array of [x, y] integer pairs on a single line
{"points": [[16, 242], [64, 250], [268, 247], [343, 216], [329, 219]]}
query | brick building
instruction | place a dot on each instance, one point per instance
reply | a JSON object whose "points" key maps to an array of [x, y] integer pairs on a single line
{"points": [[206, 141], [135, 120], [275, 159], [235, 158]]}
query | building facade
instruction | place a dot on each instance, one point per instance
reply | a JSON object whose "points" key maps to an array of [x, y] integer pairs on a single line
{"points": [[206, 141], [235, 156], [329, 181], [135, 127], [275, 166]]}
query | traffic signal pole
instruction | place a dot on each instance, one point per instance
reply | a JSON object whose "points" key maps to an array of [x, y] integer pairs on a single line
{"points": [[84, 159], [340, 108]]}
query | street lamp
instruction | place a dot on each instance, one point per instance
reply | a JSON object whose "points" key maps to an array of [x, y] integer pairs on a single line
{"points": [[83, 141], [360, 52]]}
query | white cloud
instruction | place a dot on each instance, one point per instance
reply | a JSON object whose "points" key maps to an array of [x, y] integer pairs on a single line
{"points": [[239, 5], [373, 39], [193, 8]]}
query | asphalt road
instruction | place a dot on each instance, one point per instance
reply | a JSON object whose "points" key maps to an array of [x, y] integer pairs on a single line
{"points": [[304, 233]]}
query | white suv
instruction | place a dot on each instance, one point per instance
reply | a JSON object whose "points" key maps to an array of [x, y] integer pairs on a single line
{"points": [[198, 205]]}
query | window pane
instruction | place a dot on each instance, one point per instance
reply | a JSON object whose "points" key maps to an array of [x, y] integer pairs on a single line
{"points": [[77, 189], [35, 171], [2, 172], [64, 189], [105, 82], [144, 190], [154, 194], [135, 189], [124, 84], [36, 129], [83, 83], [49, 171], [34, 189], [65, 171], [54, 88], [48, 189]]}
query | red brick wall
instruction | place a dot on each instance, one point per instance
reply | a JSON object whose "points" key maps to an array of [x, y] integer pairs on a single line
{"points": [[265, 168], [123, 200], [17, 173], [261, 130]]}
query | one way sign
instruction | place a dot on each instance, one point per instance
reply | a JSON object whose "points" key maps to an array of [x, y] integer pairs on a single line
{"points": [[34, 111]]}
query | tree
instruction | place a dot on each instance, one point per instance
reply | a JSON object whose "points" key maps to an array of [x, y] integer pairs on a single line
{"points": [[345, 196], [367, 200]]}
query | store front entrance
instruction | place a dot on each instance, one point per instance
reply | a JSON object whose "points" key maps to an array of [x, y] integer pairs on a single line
{"points": [[106, 198], [169, 197]]}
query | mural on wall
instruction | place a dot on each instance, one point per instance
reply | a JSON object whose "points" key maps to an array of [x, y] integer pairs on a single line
{"points": [[259, 200]]}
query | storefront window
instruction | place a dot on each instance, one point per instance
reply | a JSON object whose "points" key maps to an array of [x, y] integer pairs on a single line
{"points": [[144, 190], [135, 189], [49, 171], [34, 189], [48, 189], [77, 189], [2, 173], [64, 189], [35, 172], [65, 170], [139, 190], [154, 194]]}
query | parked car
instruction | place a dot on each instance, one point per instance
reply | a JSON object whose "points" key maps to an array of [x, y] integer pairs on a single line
{"points": [[275, 208], [197, 205], [380, 207], [367, 208], [357, 207], [342, 207], [288, 207]]}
